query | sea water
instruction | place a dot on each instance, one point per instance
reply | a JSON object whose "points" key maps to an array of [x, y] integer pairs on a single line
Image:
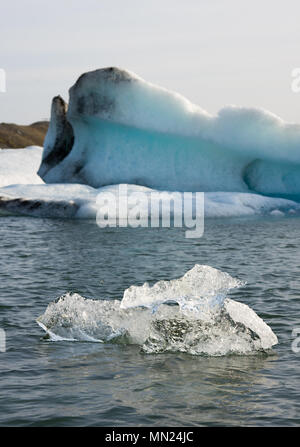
{"points": [[88, 383]]}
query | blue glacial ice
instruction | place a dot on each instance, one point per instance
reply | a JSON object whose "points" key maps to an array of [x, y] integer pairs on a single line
{"points": [[119, 128]]}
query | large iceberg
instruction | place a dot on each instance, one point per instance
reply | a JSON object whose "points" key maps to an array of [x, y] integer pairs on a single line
{"points": [[119, 128], [120, 131]]}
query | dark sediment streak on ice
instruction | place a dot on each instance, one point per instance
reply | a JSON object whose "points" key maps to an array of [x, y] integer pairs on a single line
{"points": [[38, 208]]}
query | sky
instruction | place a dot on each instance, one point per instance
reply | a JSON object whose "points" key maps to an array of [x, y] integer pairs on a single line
{"points": [[214, 52]]}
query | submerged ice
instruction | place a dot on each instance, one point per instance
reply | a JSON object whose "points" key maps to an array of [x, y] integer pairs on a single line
{"points": [[119, 128], [205, 322]]}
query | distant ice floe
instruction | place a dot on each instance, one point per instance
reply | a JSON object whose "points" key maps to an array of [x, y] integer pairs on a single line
{"points": [[81, 201], [19, 166], [191, 314]]}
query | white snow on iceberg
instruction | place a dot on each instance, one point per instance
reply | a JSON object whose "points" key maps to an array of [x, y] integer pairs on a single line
{"points": [[19, 166], [206, 321]]}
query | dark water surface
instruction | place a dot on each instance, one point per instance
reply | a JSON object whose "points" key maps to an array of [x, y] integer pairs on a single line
{"points": [[63, 383]]}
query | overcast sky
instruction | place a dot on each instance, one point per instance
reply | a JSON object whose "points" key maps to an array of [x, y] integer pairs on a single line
{"points": [[214, 52]]}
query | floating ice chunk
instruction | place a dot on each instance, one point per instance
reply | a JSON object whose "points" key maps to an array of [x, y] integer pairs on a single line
{"points": [[209, 324]]}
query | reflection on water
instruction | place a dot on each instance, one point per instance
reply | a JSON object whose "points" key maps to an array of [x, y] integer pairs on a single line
{"points": [[159, 389]]}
